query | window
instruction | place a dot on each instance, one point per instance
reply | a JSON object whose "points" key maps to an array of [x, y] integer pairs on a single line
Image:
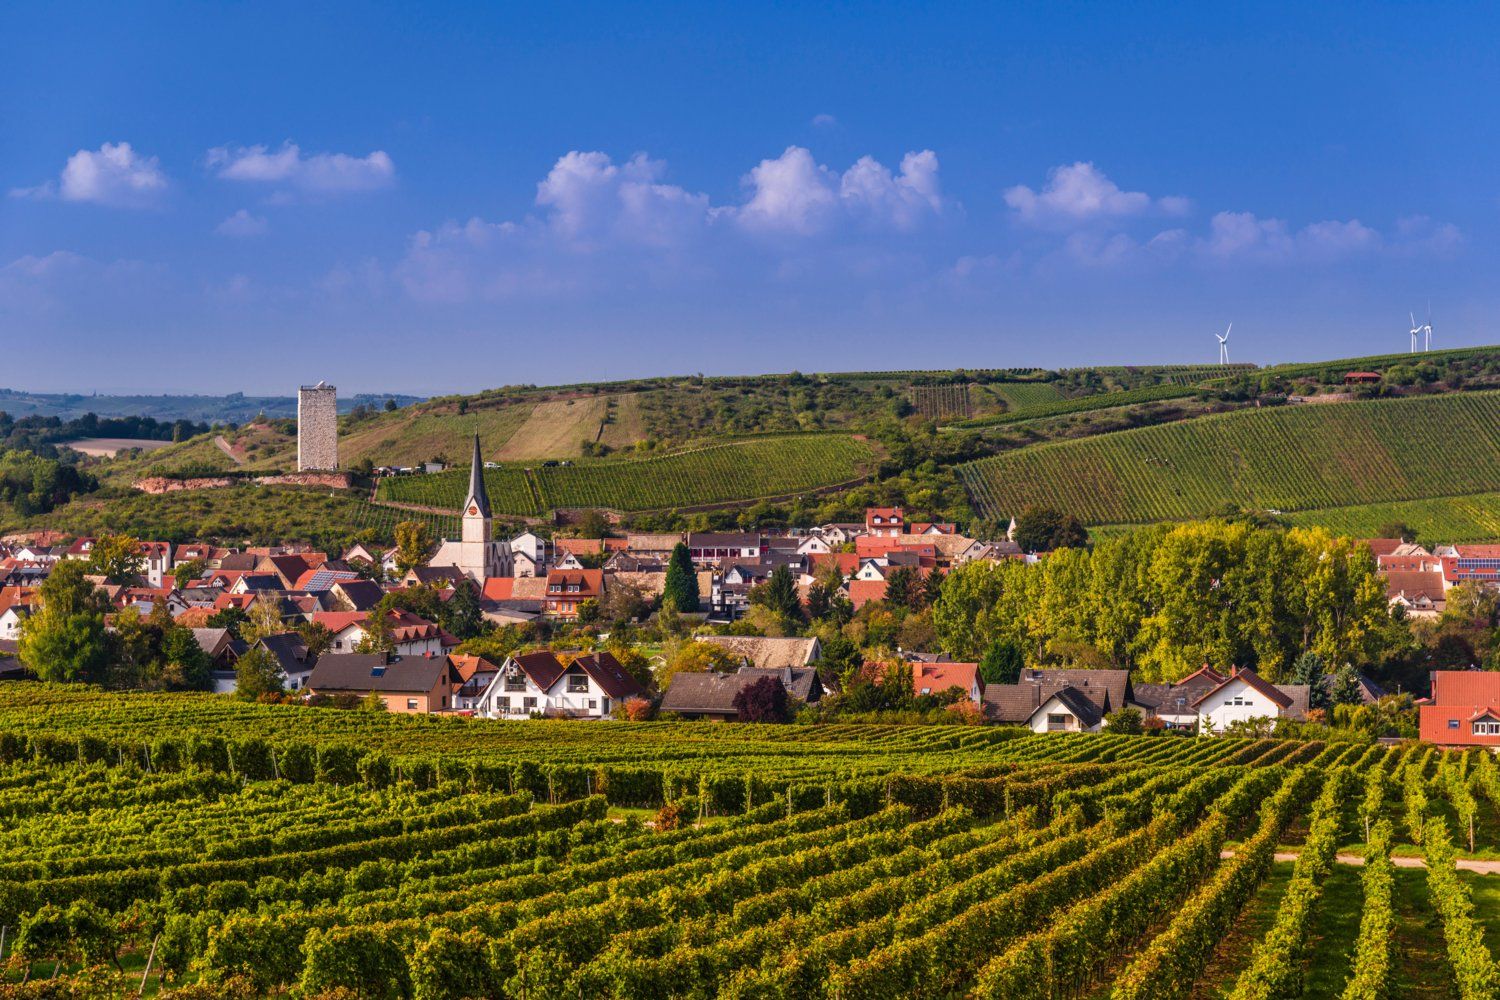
{"points": [[528, 704], [1452, 723], [578, 684], [502, 705], [1057, 721], [1487, 729], [515, 682], [593, 704], [411, 704]]}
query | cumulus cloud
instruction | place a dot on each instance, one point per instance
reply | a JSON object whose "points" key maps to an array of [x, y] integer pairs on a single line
{"points": [[242, 224], [795, 194], [593, 201], [1243, 235], [114, 174], [1080, 193], [316, 173]]}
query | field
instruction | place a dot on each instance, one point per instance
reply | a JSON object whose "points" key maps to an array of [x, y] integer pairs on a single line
{"points": [[1294, 458], [399, 856], [941, 401], [1023, 395], [1081, 404], [556, 429], [740, 470], [1448, 519]]}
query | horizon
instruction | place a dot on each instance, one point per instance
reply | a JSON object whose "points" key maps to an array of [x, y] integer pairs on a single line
{"points": [[689, 190]]}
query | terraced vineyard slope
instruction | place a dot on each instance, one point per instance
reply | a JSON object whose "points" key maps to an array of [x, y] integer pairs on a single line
{"points": [[323, 851], [1295, 458], [735, 471]]}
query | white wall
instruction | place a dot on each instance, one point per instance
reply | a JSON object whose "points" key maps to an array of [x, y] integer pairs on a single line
{"points": [[1220, 712]]}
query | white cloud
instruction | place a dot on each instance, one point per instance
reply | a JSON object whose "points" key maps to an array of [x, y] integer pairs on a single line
{"points": [[114, 174], [242, 224], [1243, 235], [318, 173], [794, 194], [593, 201], [1080, 193], [824, 121]]}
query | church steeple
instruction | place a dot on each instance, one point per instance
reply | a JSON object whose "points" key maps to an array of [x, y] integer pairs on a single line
{"points": [[478, 502]]}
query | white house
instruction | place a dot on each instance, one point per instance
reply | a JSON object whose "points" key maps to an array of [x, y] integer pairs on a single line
{"points": [[870, 569], [10, 621], [1243, 696], [1067, 711], [529, 550], [411, 635], [540, 684], [813, 545]]}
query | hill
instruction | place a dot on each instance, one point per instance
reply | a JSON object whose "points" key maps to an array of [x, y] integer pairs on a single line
{"points": [[235, 407], [1292, 458]]}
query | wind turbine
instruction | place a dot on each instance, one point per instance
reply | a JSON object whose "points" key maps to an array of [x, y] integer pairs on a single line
{"points": [[1224, 345], [1415, 329], [1427, 329]]}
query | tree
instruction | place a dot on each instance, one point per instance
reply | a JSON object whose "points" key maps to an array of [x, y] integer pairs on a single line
{"points": [[623, 602], [1346, 686], [904, 588], [231, 618], [117, 558], [264, 619], [65, 640], [1042, 529], [779, 593], [593, 524], [680, 592], [696, 657], [1397, 529], [316, 637], [1002, 663], [1308, 669], [372, 702], [257, 673], [1126, 721], [460, 614], [390, 406], [188, 570], [588, 611], [413, 542], [762, 700], [186, 665]]}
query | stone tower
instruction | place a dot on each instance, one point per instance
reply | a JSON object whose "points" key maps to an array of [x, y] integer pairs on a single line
{"points": [[317, 427]]}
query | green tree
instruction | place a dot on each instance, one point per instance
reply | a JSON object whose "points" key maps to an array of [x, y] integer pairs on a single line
{"points": [[593, 524], [680, 592], [231, 618], [65, 640], [1346, 687], [1125, 721], [460, 614], [186, 665], [903, 587], [257, 673], [1042, 529], [264, 619], [188, 570], [1002, 663], [779, 594], [413, 543], [117, 558], [1308, 669]]}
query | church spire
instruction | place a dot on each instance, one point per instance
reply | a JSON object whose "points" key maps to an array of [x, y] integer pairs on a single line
{"points": [[479, 500]]}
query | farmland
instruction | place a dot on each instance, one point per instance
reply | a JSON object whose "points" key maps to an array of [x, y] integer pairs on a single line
{"points": [[740, 470], [1287, 458], [403, 856], [1080, 404], [1450, 519], [938, 402]]}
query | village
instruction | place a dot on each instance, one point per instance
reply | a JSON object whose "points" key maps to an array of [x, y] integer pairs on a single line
{"points": [[370, 651]]}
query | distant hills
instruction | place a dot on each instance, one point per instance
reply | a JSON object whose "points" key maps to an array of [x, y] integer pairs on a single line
{"points": [[234, 408]]}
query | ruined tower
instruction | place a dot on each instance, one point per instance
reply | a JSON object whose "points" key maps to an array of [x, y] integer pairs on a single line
{"points": [[317, 427]]}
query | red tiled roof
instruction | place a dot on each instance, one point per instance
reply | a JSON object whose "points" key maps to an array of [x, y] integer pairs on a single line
{"points": [[590, 582], [1253, 679], [862, 592], [935, 677], [1465, 687], [498, 588], [847, 562]]}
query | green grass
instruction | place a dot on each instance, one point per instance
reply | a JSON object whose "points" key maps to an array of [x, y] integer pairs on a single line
{"points": [[1234, 951], [1335, 928], [1022, 395], [1422, 970], [1082, 404], [1473, 518], [1287, 458], [736, 471]]}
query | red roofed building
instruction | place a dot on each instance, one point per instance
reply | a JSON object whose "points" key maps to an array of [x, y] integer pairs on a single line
{"points": [[935, 678], [1361, 378], [885, 521], [568, 588], [1464, 709], [862, 592], [412, 635], [1470, 564]]}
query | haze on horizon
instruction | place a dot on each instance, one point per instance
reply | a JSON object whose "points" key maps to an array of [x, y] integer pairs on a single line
{"points": [[444, 199]]}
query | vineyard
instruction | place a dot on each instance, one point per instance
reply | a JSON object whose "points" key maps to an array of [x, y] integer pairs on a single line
{"points": [[320, 850], [1449, 519], [940, 401], [1294, 458], [1022, 395], [740, 470], [1081, 404]]}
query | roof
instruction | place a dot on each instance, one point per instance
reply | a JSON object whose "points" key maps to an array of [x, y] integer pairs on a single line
{"points": [[1080, 704], [1015, 703], [1297, 695], [322, 579], [651, 584], [932, 678], [1108, 689], [375, 672], [363, 594], [642, 542], [723, 540], [589, 581], [801, 683], [862, 592], [768, 653], [846, 562], [337, 621], [288, 649], [478, 500], [1250, 677], [541, 666], [609, 675], [437, 574], [1412, 584], [1465, 687], [698, 693]]}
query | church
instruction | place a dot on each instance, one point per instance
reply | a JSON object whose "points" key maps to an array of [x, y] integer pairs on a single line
{"points": [[476, 552]]}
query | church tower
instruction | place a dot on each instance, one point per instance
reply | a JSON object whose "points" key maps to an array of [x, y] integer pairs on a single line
{"points": [[478, 525], [476, 551]]}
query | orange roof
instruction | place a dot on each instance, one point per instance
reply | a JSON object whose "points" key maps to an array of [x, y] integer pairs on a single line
{"points": [[589, 581], [498, 588], [1465, 687], [337, 621], [930, 678], [847, 562], [862, 592]]}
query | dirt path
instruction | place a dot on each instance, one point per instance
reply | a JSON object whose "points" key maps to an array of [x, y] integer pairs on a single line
{"points": [[228, 449], [1463, 864]]}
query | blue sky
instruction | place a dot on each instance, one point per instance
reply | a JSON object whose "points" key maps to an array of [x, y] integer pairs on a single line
{"points": [[443, 197]]}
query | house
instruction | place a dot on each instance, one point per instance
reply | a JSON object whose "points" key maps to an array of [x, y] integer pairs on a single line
{"points": [[1059, 700], [652, 545], [1174, 703], [1469, 564], [358, 594], [474, 675], [321, 579], [708, 695], [16, 604], [814, 545], [769, 653], [11, 667], [441, 576], [721, 547], [1419, 594], [411, 635], [1362, 378], [1464, 709], [568, 588], [1244, 696], [588, 687], [935, 678], [81, 548], [729, 594], [410, 685], [292, 656], [288, 568], [529, 550], [156, 562], [476, 552], [1067, 710], [885, 521], [862, 592]]}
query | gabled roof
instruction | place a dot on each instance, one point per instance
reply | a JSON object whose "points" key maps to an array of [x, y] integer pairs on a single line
{"points": [[1108, 689], [862, 592], [705, 693], [478, 500], [609, 675], [363, 594], [1278, 697], [356, 672], [1081, 705], [288, 649], [1465, 687], [768, 653], [590, 582], [541, 666], [934, 678]]}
